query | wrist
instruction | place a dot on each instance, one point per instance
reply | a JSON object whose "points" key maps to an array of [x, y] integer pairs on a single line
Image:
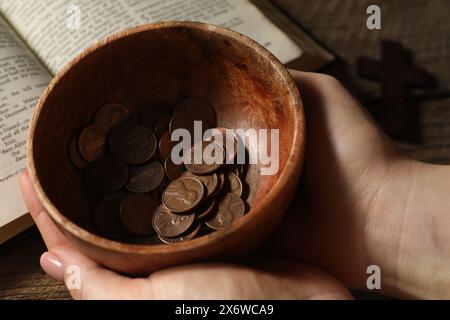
{"points": [[411, 241]]}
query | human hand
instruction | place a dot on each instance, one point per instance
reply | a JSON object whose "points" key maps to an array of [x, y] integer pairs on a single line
{"points": [[259, 278], [362, 202]]}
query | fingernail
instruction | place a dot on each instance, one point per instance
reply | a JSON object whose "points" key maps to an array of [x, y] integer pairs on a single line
{"points": [[53, 266]]}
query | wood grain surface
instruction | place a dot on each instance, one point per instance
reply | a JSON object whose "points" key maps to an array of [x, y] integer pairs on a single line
{"points": [[21, 276], [420, 25]]}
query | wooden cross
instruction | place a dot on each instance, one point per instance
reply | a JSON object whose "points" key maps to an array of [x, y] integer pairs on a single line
{"points": [[397, 75]]}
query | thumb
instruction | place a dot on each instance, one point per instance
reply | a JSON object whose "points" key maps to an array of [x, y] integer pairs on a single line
{"points": [[338, 127], [327, 100]]}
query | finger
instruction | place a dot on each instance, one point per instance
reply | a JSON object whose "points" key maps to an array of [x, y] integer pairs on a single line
{"points": [[85, 279], [29, 195], [262, 280], [275, 280], [50, 233]]}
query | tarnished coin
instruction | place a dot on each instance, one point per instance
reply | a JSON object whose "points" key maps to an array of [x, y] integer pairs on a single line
{"points": [[157, 193], [166, 145], [228, 140], [162, 125], [206, 157], [183, 194], [145, 178], [111, 114], [229, 209], [134, 144], [233, 184], [239, 170], [210, 181], [202, 109], [107, 174], [136, 213], [173, 171], [188, 235], [205, 209], [221, 183], [106, 217], [74, 154], [92, 141], [91, 196], [171, 225], [133, 118]]}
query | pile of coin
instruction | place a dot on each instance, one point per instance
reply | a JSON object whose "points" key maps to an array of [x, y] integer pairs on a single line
{"points": [[135, 187]]}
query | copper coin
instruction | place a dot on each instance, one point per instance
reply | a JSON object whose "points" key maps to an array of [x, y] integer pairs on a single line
{"points": [[107, 174], [233, 184], [205, 209], [239, 170], [136, 213], [166, 145], [133, 118], [145, 178], [91, 196], [199, 107], [207, 162], [162, 125], [183, 194], [229, 209], [221, 176], [92, 142], [228, 140], [111, 114], [157, 193], [106, 217], [134, 144], [173, 171], [74, 154], [187, 235], [171, 225], [210, 181]]}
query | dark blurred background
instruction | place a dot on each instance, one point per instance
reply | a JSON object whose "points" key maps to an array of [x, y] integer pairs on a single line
{"points": [[421, 122]]}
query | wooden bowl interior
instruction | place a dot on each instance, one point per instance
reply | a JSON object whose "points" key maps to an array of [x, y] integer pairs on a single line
{"points": [[165, 64]]}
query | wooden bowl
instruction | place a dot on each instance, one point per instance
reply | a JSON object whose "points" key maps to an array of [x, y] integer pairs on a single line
{"points": [[246, 84]]}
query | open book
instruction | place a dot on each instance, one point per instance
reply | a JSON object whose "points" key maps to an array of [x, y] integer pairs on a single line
{"points": [[37, 38]]}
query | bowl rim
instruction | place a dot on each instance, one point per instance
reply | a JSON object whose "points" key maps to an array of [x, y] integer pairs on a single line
{"points": [[290, 171]]}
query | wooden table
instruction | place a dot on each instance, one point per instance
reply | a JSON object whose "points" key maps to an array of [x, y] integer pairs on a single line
{"points": [[421, 26]]}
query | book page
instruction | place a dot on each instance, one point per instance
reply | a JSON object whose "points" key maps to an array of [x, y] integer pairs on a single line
{"points": [[59, 29], [22, 80]]}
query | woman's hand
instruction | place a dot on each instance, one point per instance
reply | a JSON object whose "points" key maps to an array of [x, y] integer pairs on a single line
{"points": [[361, 202], [262, 278]]}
